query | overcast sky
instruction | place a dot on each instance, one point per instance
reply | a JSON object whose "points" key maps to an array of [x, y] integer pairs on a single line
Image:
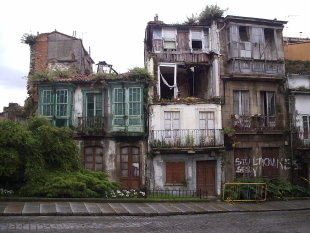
{"points": [[113, 29]]}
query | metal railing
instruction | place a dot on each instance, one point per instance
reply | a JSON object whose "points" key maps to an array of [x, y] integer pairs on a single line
{"points": [[245, 192], [254, 122], [186, 138], [90, 125]]}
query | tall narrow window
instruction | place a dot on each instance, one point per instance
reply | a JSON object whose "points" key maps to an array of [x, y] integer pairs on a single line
{"points": [[47, 103], [119, 106], [196, 39], [93, 104], [135, 105], [172, 123], [241, 102], [61, 102], [268, 108], [306, 122]]}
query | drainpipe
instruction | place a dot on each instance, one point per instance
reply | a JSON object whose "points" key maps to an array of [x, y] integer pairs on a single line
{"points": [[291, 133]]}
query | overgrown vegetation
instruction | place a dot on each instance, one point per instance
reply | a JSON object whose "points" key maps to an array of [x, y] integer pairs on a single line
{"points": [[49, 76], [297, 67], [38, 159], [279, 188], [211, 12], [29, 39]]}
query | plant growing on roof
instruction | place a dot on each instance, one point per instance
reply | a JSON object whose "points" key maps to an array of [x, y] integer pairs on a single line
{"points": [[29, 39], [211, 12]]}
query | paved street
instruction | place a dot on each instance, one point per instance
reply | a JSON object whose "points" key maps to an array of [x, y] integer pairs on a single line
{"points": [[254, 222]]}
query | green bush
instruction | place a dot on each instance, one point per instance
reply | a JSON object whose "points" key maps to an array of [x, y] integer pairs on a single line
{"points": [[42, 160], [279, 188]]}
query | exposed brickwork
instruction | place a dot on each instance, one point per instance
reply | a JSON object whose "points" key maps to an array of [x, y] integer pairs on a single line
{"points": [[38, 56]]}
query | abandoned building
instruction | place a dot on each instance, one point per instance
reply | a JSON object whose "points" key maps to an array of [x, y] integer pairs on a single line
{"points": [[298, 84], [185, 125], [253, 91], [106, 112], [216, 109]]}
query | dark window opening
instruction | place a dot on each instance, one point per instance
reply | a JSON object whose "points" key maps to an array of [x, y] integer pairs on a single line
{"points": [[244, 33], [270, 45], [196, 44], [167, 82]]}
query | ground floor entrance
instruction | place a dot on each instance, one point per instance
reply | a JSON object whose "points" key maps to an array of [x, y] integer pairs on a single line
{"points": [[205, 176]]}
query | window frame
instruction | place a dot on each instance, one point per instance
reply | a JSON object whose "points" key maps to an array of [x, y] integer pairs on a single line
{"points": [[173, 171], [241, 100], [94, 158], [169, 39]]}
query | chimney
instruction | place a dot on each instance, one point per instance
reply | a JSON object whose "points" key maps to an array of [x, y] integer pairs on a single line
{"points": [[156, 18]]}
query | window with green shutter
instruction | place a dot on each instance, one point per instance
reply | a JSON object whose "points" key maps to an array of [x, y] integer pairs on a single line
{"points": [[93, 104], [47, 103], [61, 102], [127, 108]]}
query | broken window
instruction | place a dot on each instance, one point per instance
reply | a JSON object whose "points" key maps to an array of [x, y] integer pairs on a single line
{"points": [[167, 87], [169, 38], [245, 44], [268, 109], [244, 33], [241, 102], [270, 45], [196, 39]]}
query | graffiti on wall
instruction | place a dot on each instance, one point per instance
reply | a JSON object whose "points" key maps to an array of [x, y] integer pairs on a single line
{"points": [[251, 165]]}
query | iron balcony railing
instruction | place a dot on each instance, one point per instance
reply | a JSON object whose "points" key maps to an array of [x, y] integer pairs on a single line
{"points": [[186, 138], [90, 125], [257, 122]]}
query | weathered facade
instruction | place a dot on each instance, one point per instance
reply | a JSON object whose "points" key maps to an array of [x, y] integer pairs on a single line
{"points": [[106, 112], [185, 137], [298, 83], [252, 87]]}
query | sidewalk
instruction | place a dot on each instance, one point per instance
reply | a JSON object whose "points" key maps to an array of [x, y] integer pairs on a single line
{"points": [[143, 208]]}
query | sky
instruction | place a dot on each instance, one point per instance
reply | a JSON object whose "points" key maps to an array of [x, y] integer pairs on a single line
{"points": [[114, 30]]}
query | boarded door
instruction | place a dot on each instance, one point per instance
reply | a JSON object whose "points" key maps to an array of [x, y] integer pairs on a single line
{"points": [[270, 162], [205, 171], [130, 167]]}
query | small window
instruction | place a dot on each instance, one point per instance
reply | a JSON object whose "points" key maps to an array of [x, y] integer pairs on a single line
{"points": [[175, 172], [306, 124], [196, 39]]}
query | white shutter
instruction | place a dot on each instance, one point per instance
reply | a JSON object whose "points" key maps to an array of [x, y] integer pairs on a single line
{"points": [[210, 120], [176, 120], [167, 120], [169, 33]]}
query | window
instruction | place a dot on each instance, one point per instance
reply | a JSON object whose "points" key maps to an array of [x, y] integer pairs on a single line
{"points": [[54, 104], [244, 33], [175, 172], [127, 103], [130, 162], [206, 120], [169, 38], [93, 104], [268, 108], [241, 102], [171, 123], [93, 159], [198, 40], [306, 126]]}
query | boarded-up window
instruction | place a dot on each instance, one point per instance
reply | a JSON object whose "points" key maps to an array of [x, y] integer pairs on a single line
{"points": [[258, 43], [175, 172], [233, 39], [241, 102], [270, 162], [243, 165], [93, 159]]}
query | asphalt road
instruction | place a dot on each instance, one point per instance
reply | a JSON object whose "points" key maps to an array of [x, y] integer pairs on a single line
{"points": [[273, 221]]}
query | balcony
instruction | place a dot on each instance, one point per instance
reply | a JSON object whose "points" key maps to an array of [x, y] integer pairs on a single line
{"points": [[186, 139], [90, 126], [257, 122]]}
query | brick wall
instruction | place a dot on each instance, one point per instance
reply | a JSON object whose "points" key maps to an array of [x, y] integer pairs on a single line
{"points": [[38, 56]]}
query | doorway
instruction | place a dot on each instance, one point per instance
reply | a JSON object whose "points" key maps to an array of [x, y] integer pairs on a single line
{"points": [[205, 176], [130, 167]]}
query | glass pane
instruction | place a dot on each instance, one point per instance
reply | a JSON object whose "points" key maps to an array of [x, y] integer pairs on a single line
{"points": [[89, 166], [236, 102], [124, 173], [99, 151], [135, 150], [135, 158], [124, 166], [98, 167], [89, 158], [135, 169], [196, 35], [89, 151], [124, 150], [99, 159], [124, 158]]}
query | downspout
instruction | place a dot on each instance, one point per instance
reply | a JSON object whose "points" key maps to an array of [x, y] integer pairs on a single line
{"points": [[291, 133]]}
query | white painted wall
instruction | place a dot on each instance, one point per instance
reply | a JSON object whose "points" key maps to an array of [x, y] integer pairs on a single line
{"points": [[189, 115], [302, 104], [295, 81]]}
